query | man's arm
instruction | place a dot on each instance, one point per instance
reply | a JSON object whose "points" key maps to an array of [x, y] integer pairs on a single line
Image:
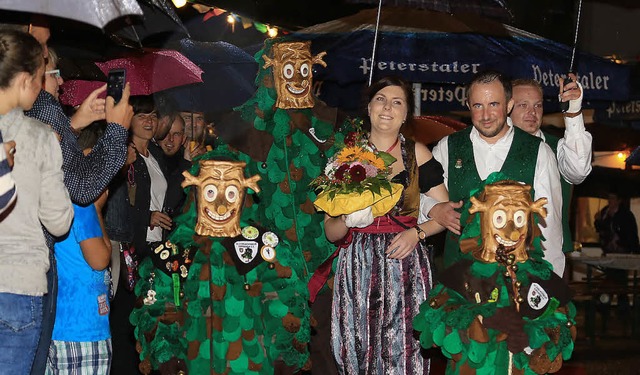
{"points": [[86, 177], [574, 150], [443, 213], [547, 185]]}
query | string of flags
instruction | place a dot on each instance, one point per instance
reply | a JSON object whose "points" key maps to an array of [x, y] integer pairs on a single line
{"points": [[234, 19]]}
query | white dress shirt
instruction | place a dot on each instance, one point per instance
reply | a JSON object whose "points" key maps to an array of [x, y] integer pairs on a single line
{"points": [[489, 158], [574, 150]]}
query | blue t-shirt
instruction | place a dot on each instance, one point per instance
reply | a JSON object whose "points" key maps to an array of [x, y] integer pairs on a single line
{"points": [[83, 303]]}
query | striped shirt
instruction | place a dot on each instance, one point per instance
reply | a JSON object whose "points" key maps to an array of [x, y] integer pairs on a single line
{"points": [[7, 185]]}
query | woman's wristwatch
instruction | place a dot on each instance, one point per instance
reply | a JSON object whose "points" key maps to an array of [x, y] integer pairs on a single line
{"points": [[421, 234]]}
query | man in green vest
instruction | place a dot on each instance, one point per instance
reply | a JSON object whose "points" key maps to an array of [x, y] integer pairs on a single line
{"points": [[573, 152], [493, 144]]}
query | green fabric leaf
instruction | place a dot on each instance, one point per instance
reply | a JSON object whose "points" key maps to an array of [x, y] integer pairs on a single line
{"points": [[452, 342]]}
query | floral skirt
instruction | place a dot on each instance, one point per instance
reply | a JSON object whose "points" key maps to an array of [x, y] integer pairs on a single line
{"points": [[374, 301]]}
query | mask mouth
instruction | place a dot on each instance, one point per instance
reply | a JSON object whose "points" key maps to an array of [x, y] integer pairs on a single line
{"points": [[221, 219], [507, 244], [295, 90]]}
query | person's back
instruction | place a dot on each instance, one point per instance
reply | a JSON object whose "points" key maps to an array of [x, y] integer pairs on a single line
{"points": [[42, 201]]}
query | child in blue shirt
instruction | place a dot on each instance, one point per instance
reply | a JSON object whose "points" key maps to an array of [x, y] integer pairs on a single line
{"points": [[81, 341]]}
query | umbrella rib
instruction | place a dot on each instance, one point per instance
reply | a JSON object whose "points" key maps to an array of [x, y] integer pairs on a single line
{"points": [[375, 41]]}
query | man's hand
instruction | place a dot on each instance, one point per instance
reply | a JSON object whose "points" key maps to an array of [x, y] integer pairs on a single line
{"points": [[92, 109], [193, 149], [122, 112], [572, 93], [445, 214]]}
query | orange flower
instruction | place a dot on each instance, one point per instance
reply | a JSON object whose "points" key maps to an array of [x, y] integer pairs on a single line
{"points": [[349, 154], [372, 159]]}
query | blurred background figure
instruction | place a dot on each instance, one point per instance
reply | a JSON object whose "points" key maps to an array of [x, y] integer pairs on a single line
{"points": [[616, 226]]}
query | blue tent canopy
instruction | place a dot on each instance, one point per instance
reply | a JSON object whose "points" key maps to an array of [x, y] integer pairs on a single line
{"points": [[449, 59]]}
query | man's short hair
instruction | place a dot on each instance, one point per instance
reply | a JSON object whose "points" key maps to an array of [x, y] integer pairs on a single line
{"points": [[489, 76], [527, 82]]}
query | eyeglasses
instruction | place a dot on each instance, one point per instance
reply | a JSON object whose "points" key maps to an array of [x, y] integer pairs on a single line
{"points": [[55, 72]]}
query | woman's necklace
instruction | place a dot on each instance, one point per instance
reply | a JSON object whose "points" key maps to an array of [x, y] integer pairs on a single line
{"points": [[393, 145]]}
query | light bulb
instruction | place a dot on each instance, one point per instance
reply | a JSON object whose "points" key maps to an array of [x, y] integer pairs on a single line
{"points": [[621, 155], [231, 19], [272, 32], [179, 3]]}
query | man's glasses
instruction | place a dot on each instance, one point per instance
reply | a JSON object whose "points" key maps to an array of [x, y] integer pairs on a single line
{"points": [[55, 72]]}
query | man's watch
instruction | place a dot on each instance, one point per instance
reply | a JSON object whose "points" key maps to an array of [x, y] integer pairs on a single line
{"points": [[421, 234]]}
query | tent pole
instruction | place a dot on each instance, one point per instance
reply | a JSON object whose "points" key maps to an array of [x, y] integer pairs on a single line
{"points": [[417, 104]]}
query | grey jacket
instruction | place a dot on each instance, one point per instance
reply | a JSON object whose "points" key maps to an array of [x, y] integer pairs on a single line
{"points": [[42, 200]]}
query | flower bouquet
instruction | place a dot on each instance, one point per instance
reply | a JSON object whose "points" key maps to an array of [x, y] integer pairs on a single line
{"points": [[355, 178]]}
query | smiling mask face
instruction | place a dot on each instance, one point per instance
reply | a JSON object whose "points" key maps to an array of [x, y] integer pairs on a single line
{"points": [[220, 191], [506, 216], [292, 72]]}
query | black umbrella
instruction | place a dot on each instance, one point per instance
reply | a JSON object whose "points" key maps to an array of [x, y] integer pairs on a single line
{"points": [[159, 24], [496, 9], [228, 77]]}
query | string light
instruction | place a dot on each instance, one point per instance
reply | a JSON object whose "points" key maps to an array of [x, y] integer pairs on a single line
{"points": [[272, 32], [231, 19], [622, 155], [179, 3]]}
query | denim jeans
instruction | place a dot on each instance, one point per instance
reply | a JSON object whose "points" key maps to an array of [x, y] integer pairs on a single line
{"points": [[49, 304], [20, 324]]}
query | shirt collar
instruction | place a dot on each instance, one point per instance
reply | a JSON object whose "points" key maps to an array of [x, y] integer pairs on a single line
{"points": [[475, 136]]}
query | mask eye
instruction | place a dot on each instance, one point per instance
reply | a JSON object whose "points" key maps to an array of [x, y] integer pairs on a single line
{"points": [[232, 194], [288, 71], [520, 219], [210, 193], [499, 219], [304, 70]]}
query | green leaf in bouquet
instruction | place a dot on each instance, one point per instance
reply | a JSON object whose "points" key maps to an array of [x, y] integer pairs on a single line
{"points": [[387, 158]]}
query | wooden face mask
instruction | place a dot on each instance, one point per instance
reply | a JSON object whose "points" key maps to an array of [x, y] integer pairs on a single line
{"points": [[506, 219], [220, 188], [292, 73]]}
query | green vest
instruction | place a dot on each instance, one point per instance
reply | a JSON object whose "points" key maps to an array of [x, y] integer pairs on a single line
{"points": [[463, 178], [567, 241]]}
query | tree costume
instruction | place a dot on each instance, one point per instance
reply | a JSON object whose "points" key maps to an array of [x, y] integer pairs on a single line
{"points": [[242, 305], [500, 309]]}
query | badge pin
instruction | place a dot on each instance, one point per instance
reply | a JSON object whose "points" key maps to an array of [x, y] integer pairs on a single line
{"points": [[458, 164], [268, 253], [270, 239], [246, 250], [250, 232]]}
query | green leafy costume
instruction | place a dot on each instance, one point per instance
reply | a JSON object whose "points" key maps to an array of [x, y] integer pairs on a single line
{"points": [[472, 315], [225, 322]]}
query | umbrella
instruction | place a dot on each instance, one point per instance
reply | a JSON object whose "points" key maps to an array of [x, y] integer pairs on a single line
{"points": [[486, 8], [94, 12], [148, 73], [158, 23], [74, 91], [155, 71], [228, 78]]}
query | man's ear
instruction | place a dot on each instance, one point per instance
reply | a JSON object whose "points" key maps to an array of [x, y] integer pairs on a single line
{"points": [[510, 105]]}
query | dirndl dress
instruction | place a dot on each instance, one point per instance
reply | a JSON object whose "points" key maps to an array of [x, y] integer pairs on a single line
{"points": [[375, 298]]}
